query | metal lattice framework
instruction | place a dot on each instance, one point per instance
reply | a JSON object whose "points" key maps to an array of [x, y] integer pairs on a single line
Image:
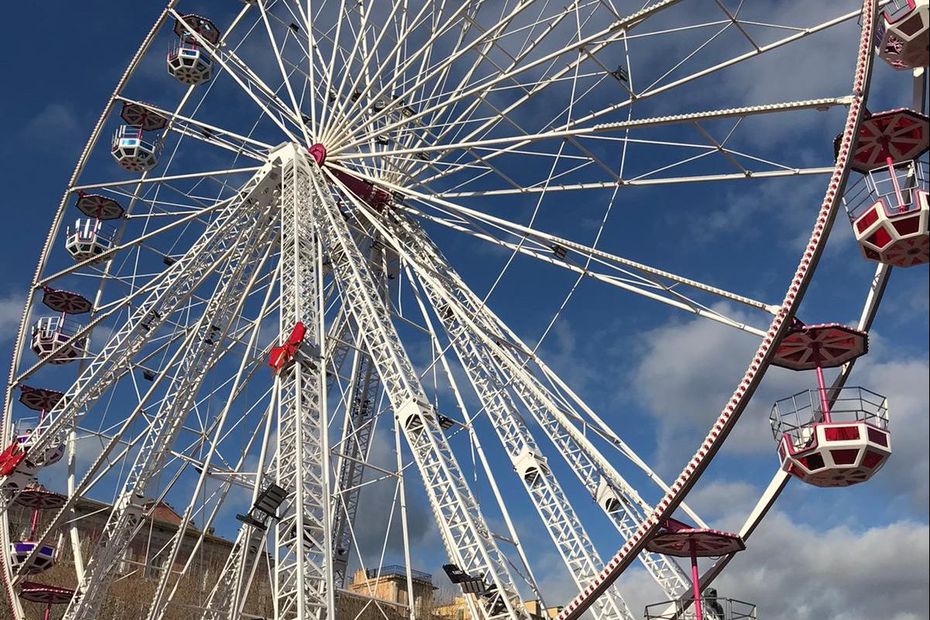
{"points": [[323, 294]]}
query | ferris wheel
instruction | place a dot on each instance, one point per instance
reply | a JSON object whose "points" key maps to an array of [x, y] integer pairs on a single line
{"points": [[321, 247]]}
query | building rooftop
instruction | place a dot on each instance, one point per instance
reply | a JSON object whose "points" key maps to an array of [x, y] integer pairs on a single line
{"points": [[396, 570]]}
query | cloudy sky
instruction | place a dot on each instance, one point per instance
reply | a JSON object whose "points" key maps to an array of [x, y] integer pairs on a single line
{"points": [[657, 376]]}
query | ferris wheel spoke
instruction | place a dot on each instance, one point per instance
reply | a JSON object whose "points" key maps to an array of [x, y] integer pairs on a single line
{"points": [[329, 67], [564, 527], [642, 281], [440, 353], [649, 93], [161, 600], [116, 432], [180, 281], [235, 579], [205, 132], [247, 80], [308, 50], [410, 90], [466, 116], [547, 58], [125, 520], [455, 304], [347, 95], [509, 145], [650, 177], [441, 76], [438, 467], [652, 181], [295, 107], [340, 93], [133, 243], [359, 424], [656, 89], [166, 178], [103, 464]]}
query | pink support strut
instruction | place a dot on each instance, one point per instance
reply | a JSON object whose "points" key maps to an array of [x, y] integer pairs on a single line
{"points": [[696, 581], [822, 390], [35, 524], [897, 188]]}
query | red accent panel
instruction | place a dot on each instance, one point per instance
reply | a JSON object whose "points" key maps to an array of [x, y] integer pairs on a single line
{"points": [[806, 347], [871, 459], [900, 134], [277, 358], [11, 458], [66, 301], [297, 334], [844, 457], [812, 462], [907, 225], [374, 196], [318, 152], [876, 436], [911, 26], [40, 499], [868, 218], [42, 593], [39, 399], [280, 356], [841, 433], [880, 238]]}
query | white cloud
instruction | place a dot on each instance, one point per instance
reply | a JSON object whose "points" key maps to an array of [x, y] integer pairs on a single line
{"points": [[11, 312], [906, 384], [797, 572], [724, 504], [55, 124], [687, 371]]}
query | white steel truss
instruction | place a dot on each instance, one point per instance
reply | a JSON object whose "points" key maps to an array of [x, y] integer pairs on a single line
{"points": [[172, 289], [303, 578], [352, 454], [467, 538], [466, 318], [198, 357], [557, 514]]}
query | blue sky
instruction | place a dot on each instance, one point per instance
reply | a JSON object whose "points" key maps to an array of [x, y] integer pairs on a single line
{"points": [[659, 377]]}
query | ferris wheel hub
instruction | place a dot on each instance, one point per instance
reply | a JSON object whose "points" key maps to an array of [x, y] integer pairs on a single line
{"points": [[318, 152]]}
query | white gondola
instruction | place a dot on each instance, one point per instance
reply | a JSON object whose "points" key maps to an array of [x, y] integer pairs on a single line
{"points": [[888, 208], [53, 333], [27, 437], [846, 446], [189, 63], [88, 239], [44, 559], [901, 38], [132, 151]]}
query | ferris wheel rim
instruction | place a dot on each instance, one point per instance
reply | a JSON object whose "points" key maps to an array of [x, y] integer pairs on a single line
{"points": [[780, 324], [95, 136]]}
